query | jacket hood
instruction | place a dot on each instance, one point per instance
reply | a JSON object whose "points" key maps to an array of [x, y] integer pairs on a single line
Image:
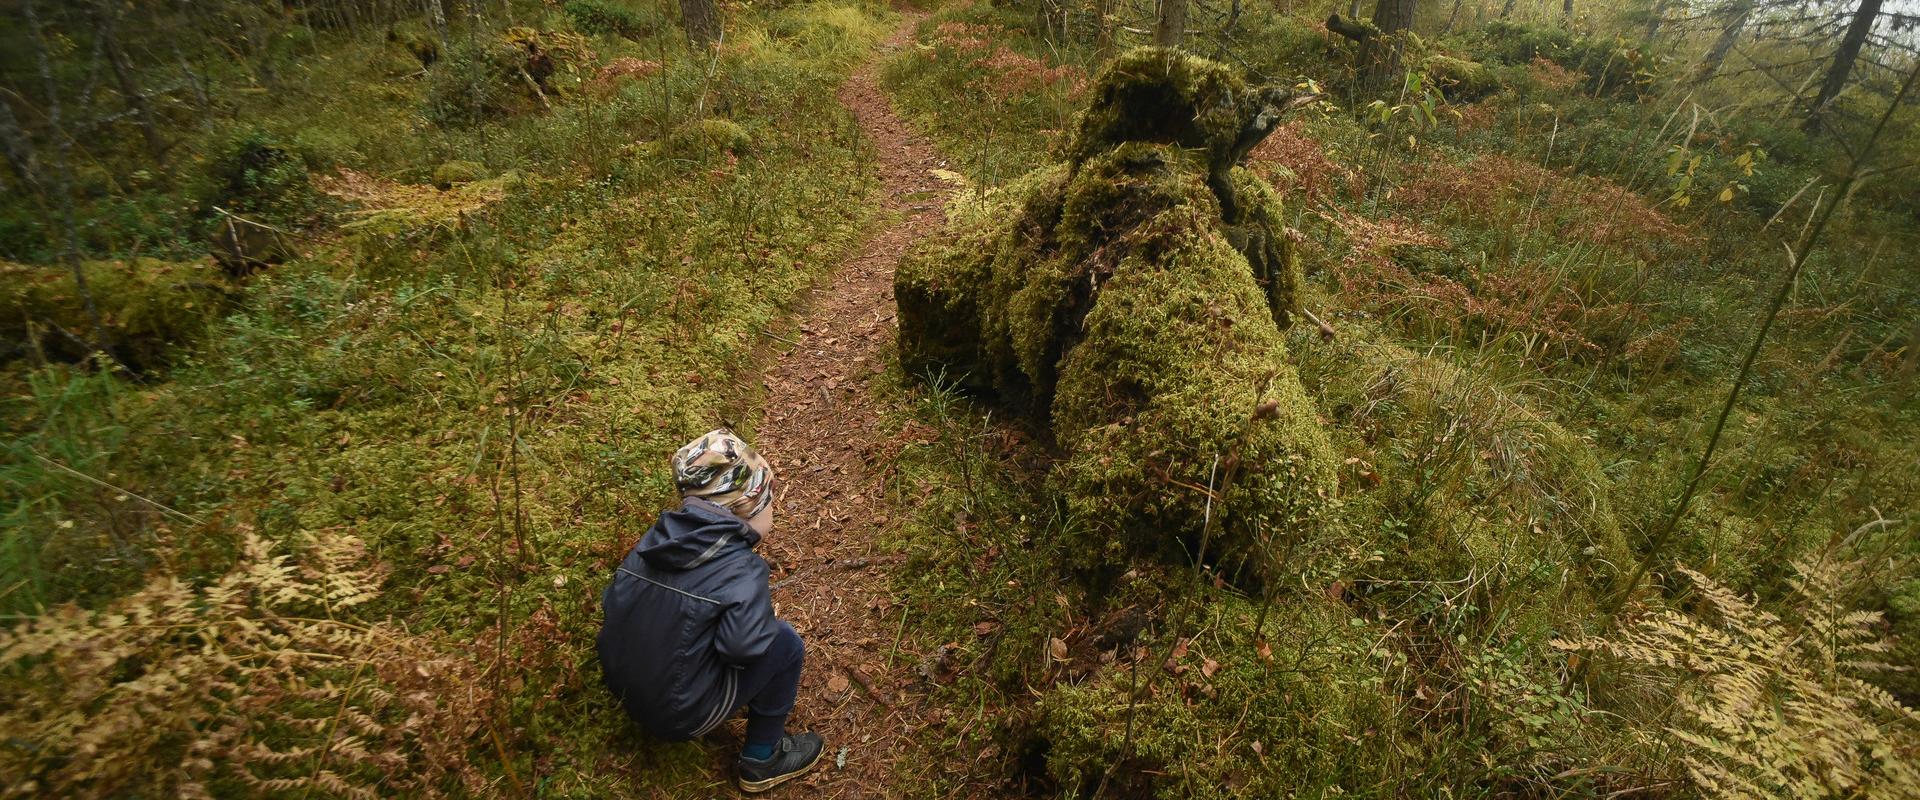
{"points": [[695, 533]]}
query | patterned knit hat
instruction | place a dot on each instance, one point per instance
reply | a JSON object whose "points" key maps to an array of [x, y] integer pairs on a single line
{"points": [[723, 468]]}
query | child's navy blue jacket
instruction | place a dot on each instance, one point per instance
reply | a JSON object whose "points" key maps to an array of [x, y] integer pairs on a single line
{"points": [[688, 606]]}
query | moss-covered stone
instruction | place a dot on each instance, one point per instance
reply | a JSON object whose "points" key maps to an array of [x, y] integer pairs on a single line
{"points": [[146, 306], [456, 172], [1109, 296], [1459, 78], [703, 139]]}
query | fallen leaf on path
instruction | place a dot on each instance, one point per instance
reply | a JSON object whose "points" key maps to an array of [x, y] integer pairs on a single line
{"points": [[838, 684], [1208, 667], [1058, 648]]}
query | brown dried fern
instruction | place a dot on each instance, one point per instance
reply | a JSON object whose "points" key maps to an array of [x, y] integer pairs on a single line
{"points": [[257, 683], [1773, 706]]}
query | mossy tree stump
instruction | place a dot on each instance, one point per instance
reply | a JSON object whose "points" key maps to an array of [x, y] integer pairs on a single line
{"points": [[1134, 297]]}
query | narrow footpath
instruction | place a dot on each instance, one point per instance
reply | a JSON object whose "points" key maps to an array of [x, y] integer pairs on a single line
{"points": [[822, 431]]}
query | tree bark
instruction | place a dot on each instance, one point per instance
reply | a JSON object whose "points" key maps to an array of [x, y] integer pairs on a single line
{"points": [[19, 148], [1740, 12], [701, 19], [63, 174], [1170, 24], [1843, 61], [1506, 9], [1381, 53], [1103, 31], [1379, 57], [1655, 17], [104, 14], [1566, 13], [1452, 17]]}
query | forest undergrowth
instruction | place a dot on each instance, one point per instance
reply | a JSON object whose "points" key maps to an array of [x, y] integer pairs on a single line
{"points": [[360, 483]]}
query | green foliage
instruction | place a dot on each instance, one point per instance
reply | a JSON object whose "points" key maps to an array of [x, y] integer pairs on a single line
{"points": [[496, 75], [1610, 66], [976, 55], [609, 17], [1291, 722], [477, 81]]}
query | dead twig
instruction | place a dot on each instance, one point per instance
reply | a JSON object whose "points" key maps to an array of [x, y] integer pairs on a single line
{"points": [[1326, 331], [775, 336], [866, 685]]}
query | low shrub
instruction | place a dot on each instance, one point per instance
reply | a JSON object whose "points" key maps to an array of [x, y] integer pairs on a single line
{"points": [[257, 174], [501, 75]]}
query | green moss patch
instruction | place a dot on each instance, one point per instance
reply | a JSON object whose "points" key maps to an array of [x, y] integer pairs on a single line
{"points": [[702, 140], [145, 307]]}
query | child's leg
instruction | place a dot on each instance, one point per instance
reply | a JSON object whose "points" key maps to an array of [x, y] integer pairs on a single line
{"points": [[769, 686]]}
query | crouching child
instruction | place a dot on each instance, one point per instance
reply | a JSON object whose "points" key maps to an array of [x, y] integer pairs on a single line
{"points": [[690, 637]]}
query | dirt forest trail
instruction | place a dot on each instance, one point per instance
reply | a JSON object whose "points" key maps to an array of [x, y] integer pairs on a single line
{"points": [[822, 429]]}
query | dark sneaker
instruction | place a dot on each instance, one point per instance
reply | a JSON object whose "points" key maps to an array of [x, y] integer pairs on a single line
{"points": [[794, 756]]}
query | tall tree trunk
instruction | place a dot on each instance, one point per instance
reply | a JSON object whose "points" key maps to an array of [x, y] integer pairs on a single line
{"points": [[701, 19], [104, 14], [19, 148], [1843, 60], [1381, 53], [1656, 16], [1739, 12], [1566, 13], [1452, 18], [63, 173], [1103, 30], [1170, 24], [438, 13], [1379, 57], [1506, 9]]}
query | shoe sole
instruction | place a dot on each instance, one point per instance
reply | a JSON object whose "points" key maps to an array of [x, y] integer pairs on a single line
{"points": [[756, 787]]}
